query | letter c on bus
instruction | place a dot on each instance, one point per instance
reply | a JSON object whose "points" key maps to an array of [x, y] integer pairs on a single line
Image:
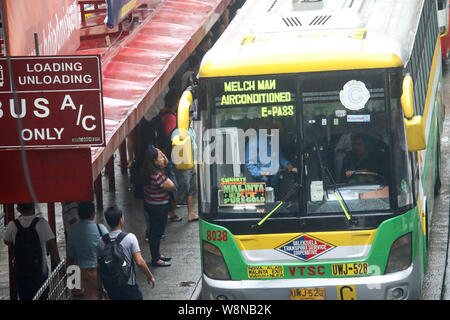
{"points": [[347, 293]]}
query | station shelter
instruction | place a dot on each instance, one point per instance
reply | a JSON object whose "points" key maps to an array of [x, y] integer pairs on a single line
{"points": [[141, 44]]}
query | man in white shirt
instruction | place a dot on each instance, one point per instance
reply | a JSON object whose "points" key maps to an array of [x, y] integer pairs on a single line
{"points": [[29, 284]]}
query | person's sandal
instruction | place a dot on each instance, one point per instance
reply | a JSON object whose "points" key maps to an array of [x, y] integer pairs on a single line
{"points": [[162, 264], [165, 258], [175, 218]]}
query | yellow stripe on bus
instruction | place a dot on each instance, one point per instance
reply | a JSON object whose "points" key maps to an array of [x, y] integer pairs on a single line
{"points": [[305, 62], [271, 241]]}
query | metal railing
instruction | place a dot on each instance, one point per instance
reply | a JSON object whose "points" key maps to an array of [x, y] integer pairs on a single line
{"points": [[55, 288]]}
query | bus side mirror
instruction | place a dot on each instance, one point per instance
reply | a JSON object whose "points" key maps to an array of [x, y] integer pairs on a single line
{"points": [[184, 105], [414, 125], [415, 134], [407, 98], [182, 153]]}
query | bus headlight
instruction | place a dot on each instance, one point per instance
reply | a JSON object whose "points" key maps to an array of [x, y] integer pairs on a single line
{"points": [[400, 254], [214, 264]]}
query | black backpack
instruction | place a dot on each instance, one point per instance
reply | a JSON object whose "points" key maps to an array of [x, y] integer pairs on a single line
{"points": [[27, 249], [114, 269]]}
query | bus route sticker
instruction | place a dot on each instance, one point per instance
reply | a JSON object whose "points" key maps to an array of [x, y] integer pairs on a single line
{"points": [[354, 95], [261, 272], [237, 191]]}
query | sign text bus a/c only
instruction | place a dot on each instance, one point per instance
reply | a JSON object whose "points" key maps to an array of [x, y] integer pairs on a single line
{"points": [[58, 102]]}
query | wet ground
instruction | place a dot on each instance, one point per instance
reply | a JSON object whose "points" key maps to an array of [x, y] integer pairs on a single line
{"points": [[177, 282]]}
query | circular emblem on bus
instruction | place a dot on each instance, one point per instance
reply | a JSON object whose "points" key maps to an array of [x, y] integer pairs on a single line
{"points": [[354, 95]]}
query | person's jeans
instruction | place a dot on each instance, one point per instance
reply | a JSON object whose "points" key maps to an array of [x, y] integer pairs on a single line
{"points": [[147, 219], [127, 292], [156, 218]]}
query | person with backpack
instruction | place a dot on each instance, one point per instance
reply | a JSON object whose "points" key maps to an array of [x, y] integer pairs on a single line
{"points": [[118, 252], [82, 244], [31, 238]]}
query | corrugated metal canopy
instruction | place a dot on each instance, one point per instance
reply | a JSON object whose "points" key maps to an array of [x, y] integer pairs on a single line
{"points": [[135, 72]]}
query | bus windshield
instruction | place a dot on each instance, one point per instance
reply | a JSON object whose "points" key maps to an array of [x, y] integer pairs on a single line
{"points": [[346, 142], [308, 144]]}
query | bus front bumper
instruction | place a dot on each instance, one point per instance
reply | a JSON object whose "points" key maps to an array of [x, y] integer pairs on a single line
{"points": [[405, 284]]}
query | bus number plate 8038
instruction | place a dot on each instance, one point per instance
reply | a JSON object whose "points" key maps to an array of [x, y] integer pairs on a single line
{"points": [[308, 294]]}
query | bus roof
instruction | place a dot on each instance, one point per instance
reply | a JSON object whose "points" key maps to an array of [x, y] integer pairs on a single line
{"points": [[289, 36]]}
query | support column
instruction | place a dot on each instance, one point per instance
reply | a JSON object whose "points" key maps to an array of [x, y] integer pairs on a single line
{"points": [[52, 223], [123, 157], [98, 192], [12, 283], [111, 177], [51, 216]]}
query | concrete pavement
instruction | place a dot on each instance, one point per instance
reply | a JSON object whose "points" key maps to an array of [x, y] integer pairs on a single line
{"points": [[181, 281]]}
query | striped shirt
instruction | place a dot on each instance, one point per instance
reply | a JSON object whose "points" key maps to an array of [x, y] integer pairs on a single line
{"points": [[153, 190]]}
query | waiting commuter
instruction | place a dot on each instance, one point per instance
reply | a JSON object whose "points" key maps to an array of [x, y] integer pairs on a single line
{"points": [[169, 124], [117, 288], [31, 237], [187, 179], [156, 202], [82, 244], [189, 76]]}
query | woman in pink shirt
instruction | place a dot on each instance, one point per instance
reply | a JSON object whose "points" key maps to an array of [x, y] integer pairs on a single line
{"points": [[156, 202]]}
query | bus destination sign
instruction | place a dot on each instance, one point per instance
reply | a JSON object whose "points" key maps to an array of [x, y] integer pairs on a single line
{"points": [[51, 101], [274, 96]]}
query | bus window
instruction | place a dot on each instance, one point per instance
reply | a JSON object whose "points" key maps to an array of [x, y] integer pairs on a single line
{"points": [[346, 142]]}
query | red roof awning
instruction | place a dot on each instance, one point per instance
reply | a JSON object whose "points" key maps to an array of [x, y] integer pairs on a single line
{"points": [[135, 72]]}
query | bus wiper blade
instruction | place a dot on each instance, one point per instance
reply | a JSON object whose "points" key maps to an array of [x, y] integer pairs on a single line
{"points": [[336, 191], [278, 206], [340, 198]]}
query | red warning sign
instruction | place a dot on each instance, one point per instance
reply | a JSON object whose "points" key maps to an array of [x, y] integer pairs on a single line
{"points": [[51, 101]]}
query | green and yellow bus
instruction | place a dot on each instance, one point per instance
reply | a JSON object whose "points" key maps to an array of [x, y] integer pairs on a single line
{"points": [[347, 97]]}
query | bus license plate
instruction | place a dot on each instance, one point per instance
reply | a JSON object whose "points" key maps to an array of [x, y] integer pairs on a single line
{"points": [[308, 294], [350, 269]]}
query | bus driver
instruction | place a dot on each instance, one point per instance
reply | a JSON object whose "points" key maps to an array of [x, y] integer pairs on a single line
{"points": [[265, 166]]}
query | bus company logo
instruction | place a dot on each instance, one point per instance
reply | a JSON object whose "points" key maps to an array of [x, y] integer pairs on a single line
{"points": [[305, 247]]}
